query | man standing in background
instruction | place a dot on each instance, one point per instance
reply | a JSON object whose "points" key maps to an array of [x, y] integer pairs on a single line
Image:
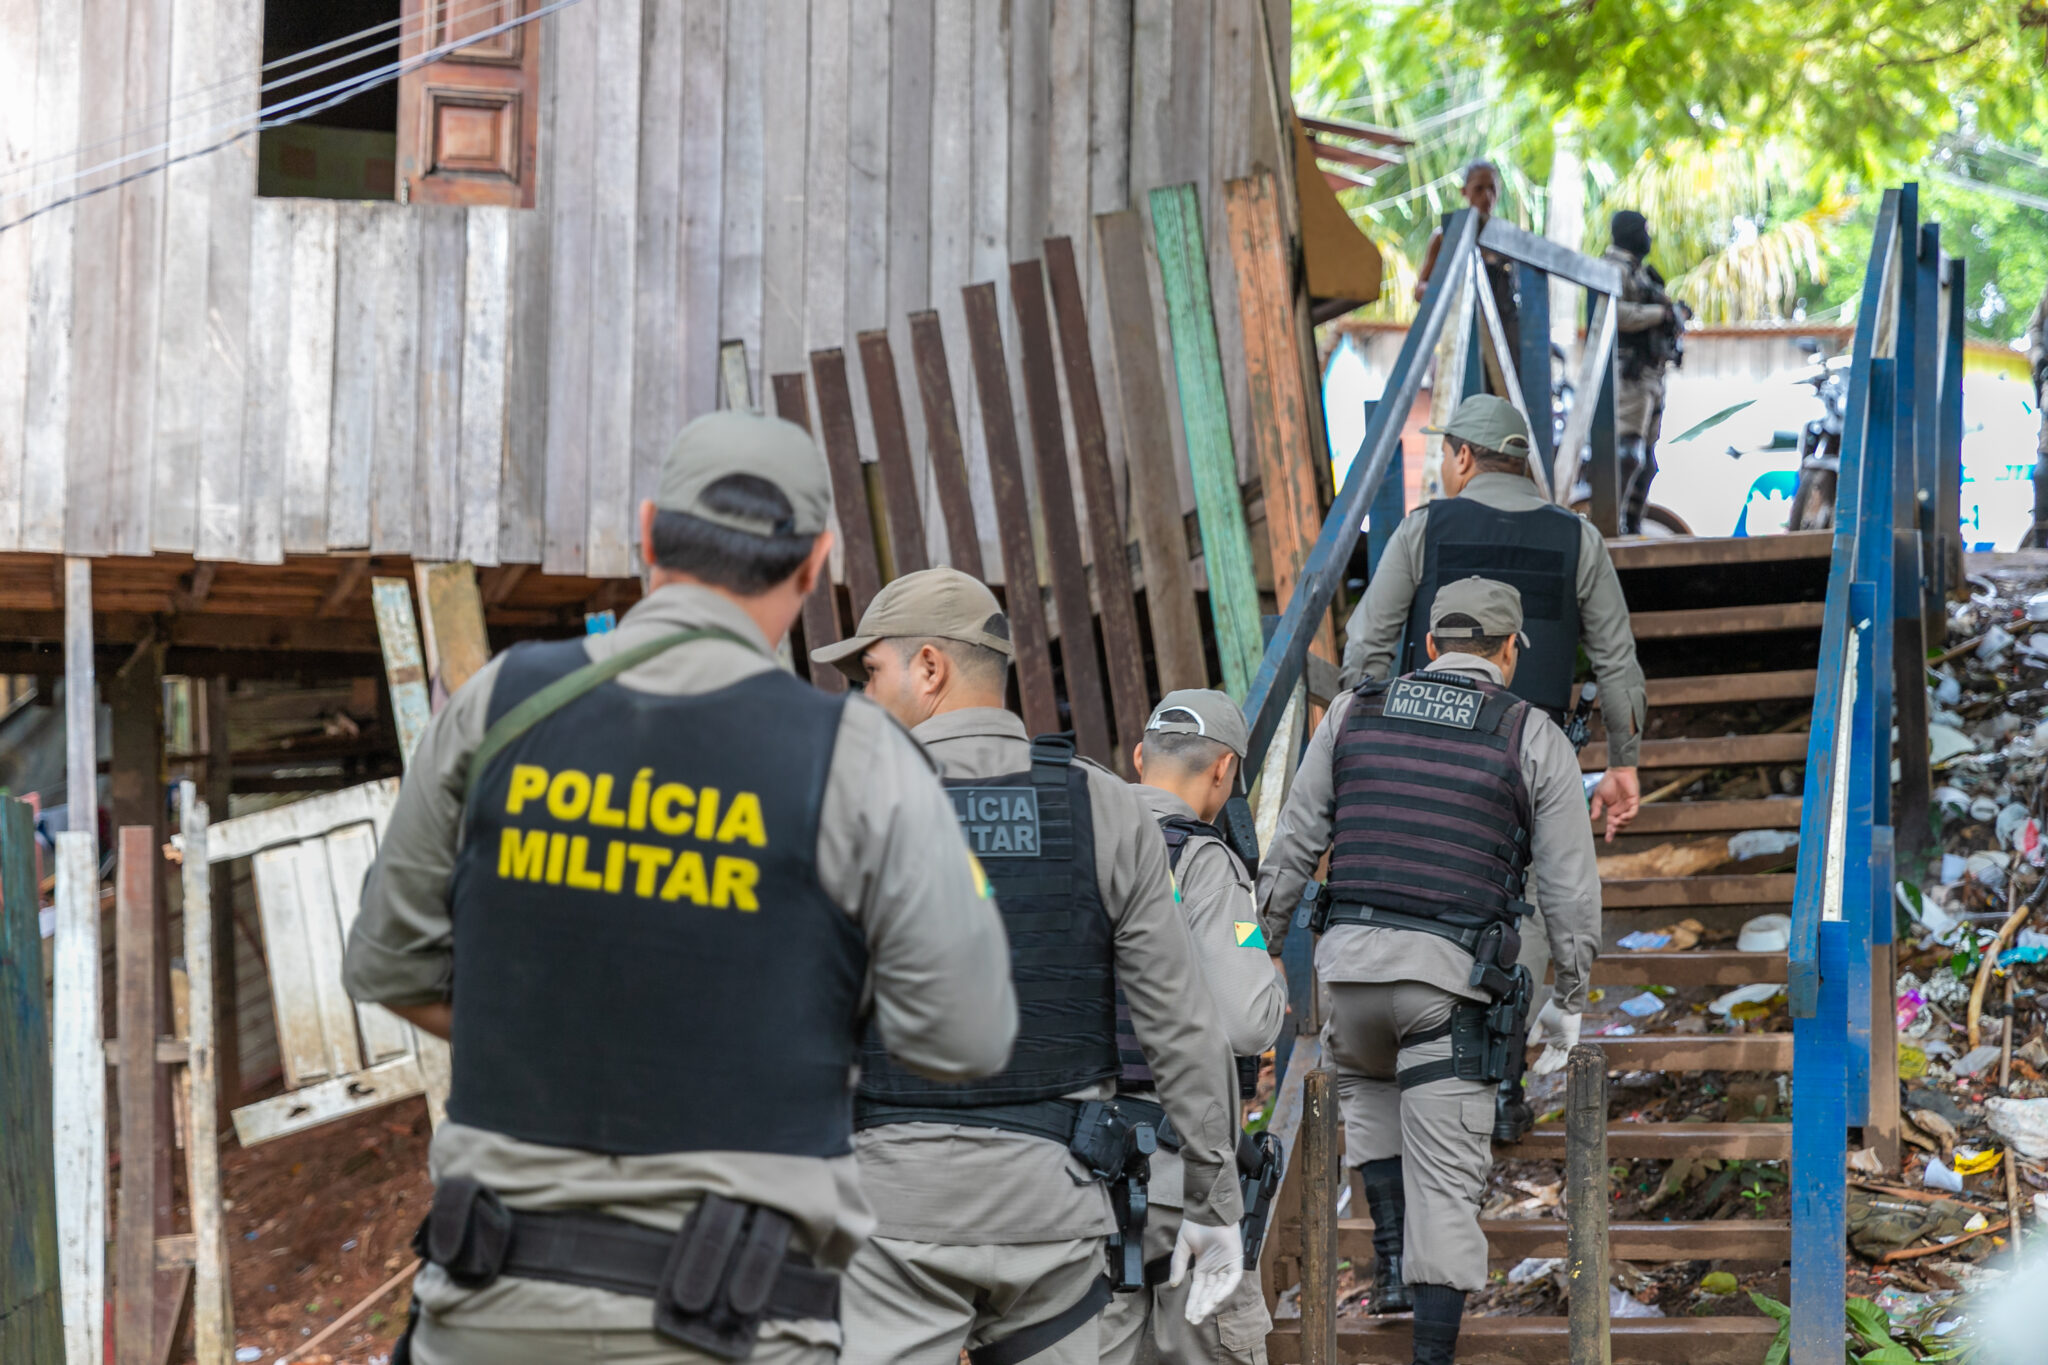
{"points": [[2037, 364]]}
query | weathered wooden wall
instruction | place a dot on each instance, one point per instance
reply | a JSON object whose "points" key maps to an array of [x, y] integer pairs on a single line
{"points": [[187, 367]]}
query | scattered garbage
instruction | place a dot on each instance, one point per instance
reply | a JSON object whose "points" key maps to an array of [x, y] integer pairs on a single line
{"points": [[1762, 843], [1534, 1268], [245, 1354], [1940, 1177], [1946, 743], [1642, 1006], [1624, 1305], [1644, 942], [1761, 993], [2023, 1123], [1766, 934], [1975, 1060]]}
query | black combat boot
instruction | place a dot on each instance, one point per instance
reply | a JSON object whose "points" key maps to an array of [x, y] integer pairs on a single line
{"points": [[1512, 1116], [1437, 1310], [1388, 1205]]}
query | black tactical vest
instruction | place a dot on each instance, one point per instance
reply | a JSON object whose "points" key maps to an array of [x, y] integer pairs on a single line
{"points": [[1432, 815], [1133, 1071], [644, 960], [1034, 833], [1535, 552]]}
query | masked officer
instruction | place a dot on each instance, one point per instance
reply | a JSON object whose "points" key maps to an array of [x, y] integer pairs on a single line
{"points": [[993, 1199], [1492, 521], [1188, 766], [1648, 326], [649, 884], [1438, 797]]}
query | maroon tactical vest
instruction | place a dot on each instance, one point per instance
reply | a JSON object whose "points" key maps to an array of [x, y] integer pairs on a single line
{"points": [[1432, 815]]}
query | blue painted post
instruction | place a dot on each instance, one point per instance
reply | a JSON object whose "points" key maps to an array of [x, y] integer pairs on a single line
{"points": [[1820, 1154], [1949, 434], [1869, 797], [31, 1330], [1532, 362], [1389, 504]]}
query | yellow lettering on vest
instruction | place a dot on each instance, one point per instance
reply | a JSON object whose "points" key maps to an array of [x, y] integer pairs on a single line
{"points": [[742, 821], [732, 883], [569, 795], [580, 876], [528, 781], [522, 855], [648, 861], [686, 880], [558, 853], [614, 866], [671, 809], [707, 812], [601, 809], [636, 804]]}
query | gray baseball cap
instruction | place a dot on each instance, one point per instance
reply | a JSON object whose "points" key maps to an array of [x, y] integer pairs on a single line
{"points": [[733, 442], [1490, 423], [1496, 606], [940, 604], [1200, 711]]}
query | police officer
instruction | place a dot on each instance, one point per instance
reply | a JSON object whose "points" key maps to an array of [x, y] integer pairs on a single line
{"points": [[993, 1199], [1492, 520], [1648, 325], [1188, 765], [1437, 797], [649, 883]]}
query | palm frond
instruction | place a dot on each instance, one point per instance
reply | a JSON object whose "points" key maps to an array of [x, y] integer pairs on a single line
{"points": [[1758, 279]]}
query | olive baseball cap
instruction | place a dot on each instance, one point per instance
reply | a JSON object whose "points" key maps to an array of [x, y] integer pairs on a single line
{"points": [[733, 442], [1490, 423], [940, 604], [1200, 711], [1496, 606]]}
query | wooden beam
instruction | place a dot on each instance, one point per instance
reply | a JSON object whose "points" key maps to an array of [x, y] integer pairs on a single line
{"points": [[1664, 1141], [821, 608], [1728, 751], [347, 583], [79, 1098], [841, 440], [1212, 455], [204, 630], [735, 383], [1699, 621], [136, 966], [1714, 689], [81, 708], [948, 460], [451, 624], [1509, 1241], [497, 584], [213, 1314], [892, 453], [31, 1307], [191, 596], [1543, 1341], [405, 668], [1651, 892], [1696, 551], [1691, 968]]}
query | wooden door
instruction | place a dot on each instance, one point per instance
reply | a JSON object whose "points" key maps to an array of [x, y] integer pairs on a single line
{"points": [[468, 122]]}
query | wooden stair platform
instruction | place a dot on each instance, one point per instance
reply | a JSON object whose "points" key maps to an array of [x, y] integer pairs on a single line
{"points": [[1510, 1241], [1698, 1051], [1726, 752], [1692, 967], [1697, 621], [1711, 689], [1710, 817], [1542, 1341], [1664, 1141], [1693, 551], [1650, 893]]}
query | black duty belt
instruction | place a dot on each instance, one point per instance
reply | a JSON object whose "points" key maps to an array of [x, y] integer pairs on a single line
{"points": [[1051, 1119], [1140, 1110], [713, 1281], [1352, 912]]}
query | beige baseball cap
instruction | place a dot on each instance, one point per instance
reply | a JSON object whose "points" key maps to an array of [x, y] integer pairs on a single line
{"points": [[1490, 423], [1496, 606], [940, 604], [733, 442], [1201, 711]]}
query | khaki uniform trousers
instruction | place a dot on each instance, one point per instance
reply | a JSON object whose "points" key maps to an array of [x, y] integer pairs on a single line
{"points": [[1442, 1131], [440, 1343], [1151, 1325], [922, 1303]]}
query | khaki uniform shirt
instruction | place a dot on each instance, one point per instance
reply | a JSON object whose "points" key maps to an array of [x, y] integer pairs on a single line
{"points": [[1562, 865], [889, 852], [948, 1183], [1373, 634]]}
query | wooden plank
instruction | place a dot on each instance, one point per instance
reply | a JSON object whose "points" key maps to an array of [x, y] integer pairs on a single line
{"points": [[1030, 91], [309, 383], [703, 152], [948, 462], [404, 667], [52, 252], [1226, 544], [1706, 753], [1714, 689], [867, 70], [949, 265], [741, 273], [81, 711], [231, 189], [785, 95], [1699, 621], [1665, 1141], [735, 388], [1109, 185], [657, 246], [451, 625], [302, 1041], [1692, 551], [849, 488], [1693, 967], [1234, 57], [907, 222], [314, 886], [17, 153], [1700, 1052], [213, 1310], [136, 967], [987, 254], [571, 169], [1141, 395], [182, 322], [1544, 1341], [481, 404], [1509, 1241], [437, 522], [1079, 664], [612, 302], [821, 611], [394, 459], [1022, 602], [1648, 892], [266, 430], [96, 315], [350, 851], [31, 1309], [312, 817], [1111, 552], [78, 1072], [299, 1110], [522, 490], [892, 446], [353, 433]]}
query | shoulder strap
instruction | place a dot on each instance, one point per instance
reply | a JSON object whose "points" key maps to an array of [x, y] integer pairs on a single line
{"points": [[1178, 829], [570, 686], [1051, 755]]}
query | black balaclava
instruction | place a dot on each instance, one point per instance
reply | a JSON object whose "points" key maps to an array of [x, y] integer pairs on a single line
{"points": [[1631, 232]]}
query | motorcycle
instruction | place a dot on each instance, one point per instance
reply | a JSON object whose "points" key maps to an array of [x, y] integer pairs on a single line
{"points": [[1820, 443]]}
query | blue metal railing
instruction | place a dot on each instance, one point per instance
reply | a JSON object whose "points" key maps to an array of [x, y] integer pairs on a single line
{"points": [[1904, 402]]}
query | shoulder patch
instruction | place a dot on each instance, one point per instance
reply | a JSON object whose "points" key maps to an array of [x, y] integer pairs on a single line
{"points": [[1433, 703], [1249, 934]]}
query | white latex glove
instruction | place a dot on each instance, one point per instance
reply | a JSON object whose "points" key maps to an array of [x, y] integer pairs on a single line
{"points": [[1557, 1033], [1217, 1255]]}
